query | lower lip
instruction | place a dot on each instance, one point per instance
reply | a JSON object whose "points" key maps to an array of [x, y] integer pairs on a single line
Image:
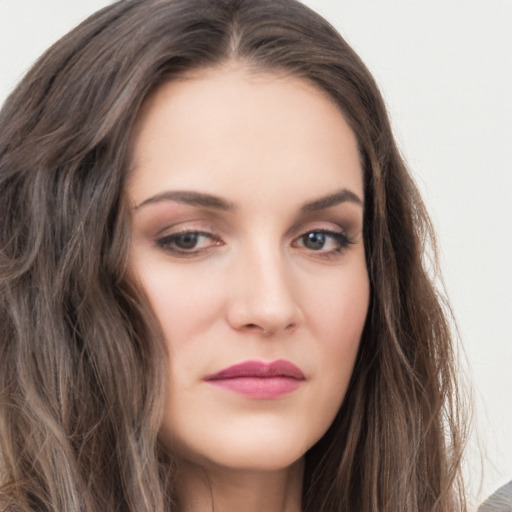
{"points": [[259, 387]]}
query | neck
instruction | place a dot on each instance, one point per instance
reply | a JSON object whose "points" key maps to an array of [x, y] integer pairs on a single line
{"points": [[218, 489]]}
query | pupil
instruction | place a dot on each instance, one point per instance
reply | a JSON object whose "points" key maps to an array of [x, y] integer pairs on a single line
{"points": [[187, 241], [314, 240]]}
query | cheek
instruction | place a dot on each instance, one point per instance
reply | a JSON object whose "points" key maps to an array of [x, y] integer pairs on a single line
{"points": [[200, 424], [184, 302], [337, 317], [337, 310]]}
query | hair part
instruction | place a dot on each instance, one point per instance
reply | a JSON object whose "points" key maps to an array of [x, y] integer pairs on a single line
{"points": [[82, 363]]}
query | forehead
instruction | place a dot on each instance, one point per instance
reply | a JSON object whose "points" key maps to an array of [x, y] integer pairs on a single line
{"points": [[235, 128]]}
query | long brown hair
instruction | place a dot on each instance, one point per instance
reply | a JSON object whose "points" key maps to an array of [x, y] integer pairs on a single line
{"points": [[82, 365]]}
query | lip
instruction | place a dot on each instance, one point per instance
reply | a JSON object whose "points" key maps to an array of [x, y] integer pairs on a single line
{"points": [[258, 379]]}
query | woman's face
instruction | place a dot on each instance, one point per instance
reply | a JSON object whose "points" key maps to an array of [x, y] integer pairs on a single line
{"points": [[247, 192]]}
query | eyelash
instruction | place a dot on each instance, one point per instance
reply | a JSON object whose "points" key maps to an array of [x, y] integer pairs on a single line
{"points": [[168, 242], [341, 239]]}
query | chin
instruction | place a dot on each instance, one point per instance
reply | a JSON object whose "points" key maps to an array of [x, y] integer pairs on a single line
{"points": [[259, 459], [265, 450]]}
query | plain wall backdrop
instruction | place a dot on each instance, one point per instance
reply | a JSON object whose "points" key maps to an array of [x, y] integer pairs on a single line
{"points": [[445, 69]]}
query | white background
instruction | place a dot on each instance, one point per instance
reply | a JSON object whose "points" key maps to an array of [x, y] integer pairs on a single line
{"points": [[445, 68]]}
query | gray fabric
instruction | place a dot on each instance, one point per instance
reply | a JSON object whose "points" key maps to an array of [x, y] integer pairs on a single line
{"points": [[500, 501]]}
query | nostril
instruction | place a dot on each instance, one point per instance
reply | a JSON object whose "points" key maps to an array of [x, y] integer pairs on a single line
{"points": [[257, 327], [267, 330]]}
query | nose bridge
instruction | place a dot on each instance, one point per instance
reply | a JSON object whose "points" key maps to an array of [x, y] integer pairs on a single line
{"points": [[263, 295]]}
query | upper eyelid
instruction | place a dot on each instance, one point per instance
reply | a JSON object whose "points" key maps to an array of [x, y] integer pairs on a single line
{"points": [[176, 234], [325, 231], [186, 232], [346, 220], [327, 226], [294, 232], [165, 243], [334, 234], [183, 227]]}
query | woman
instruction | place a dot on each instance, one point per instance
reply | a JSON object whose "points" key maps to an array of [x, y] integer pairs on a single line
{"points": [[213, 293]]}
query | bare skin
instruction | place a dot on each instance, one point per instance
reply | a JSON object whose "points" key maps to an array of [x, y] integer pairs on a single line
{"points": [[224, 490], [247, 196]]}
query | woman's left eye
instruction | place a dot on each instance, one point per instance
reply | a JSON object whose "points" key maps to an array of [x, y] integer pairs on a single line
{"points": [[187, 242], [323, 241]]}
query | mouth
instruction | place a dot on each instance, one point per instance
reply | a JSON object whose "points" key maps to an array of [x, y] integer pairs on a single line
{"points": [[257, 379]]}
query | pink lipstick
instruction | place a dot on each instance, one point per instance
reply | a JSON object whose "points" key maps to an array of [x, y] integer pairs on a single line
{"points": [[258, 379]]}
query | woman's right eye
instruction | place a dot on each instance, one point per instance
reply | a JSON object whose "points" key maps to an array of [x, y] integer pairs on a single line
{"points": [[188, 243]]}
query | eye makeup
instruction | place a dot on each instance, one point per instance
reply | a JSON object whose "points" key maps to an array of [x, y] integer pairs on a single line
{"points": [[188, 242], [185, 231]]}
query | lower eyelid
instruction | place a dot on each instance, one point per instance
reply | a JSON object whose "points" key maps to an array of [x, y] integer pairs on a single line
{"points": [[328, 232], [167, 241]]}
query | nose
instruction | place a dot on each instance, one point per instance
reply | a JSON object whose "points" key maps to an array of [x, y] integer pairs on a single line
{"points": [[263, 296]]}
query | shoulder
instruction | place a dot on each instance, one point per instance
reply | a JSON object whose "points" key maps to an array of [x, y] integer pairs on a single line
{"points": [[500, 501]]}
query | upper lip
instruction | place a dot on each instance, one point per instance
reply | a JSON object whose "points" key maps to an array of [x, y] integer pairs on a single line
{"points": [[259, 369]]}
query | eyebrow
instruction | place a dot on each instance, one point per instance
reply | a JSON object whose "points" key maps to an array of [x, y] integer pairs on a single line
{"points": [[190, 198], [210, 201], [342, 196]]}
